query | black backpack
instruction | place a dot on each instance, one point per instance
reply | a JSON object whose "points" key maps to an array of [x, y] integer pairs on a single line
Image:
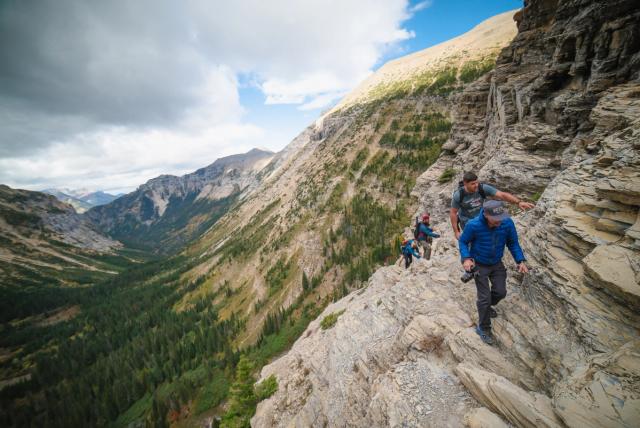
{"points": [[483, 195], [416, 231]]}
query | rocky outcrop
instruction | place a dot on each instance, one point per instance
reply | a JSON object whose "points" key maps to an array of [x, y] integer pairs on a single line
{"points": [[557, 121]]}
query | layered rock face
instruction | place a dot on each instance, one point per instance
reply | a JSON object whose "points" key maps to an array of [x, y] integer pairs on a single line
{"points": [[557, 121]]}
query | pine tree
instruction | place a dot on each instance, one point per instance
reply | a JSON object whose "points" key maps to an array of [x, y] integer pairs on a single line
{"points": [[242, 397]]}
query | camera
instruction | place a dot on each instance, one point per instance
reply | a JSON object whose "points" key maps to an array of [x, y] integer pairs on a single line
{"points": [[469, 275]]}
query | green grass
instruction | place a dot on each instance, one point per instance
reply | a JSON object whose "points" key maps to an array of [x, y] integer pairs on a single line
{"points": [[359, 159], [330, 320], [266, 388], [439, 82], [474, 69], [334, 203], [135, 412], [447, 175], [278, 274]]}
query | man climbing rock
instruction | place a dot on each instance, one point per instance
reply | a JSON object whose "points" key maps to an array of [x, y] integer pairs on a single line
{"points": [[467, 200], [409, 250], [424, 234], [481, 248]]}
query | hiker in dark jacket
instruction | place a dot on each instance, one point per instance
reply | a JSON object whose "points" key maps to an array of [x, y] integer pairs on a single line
{"points": [[467, 200], [481, 247], [409, 250], [425, 235]]}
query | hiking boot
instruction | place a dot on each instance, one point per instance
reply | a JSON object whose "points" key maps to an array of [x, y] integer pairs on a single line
{"points": [[492, 313], [485, 335]]}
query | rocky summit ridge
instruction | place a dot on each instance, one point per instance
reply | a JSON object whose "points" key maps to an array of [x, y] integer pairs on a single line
{"points": [[557, 121]]}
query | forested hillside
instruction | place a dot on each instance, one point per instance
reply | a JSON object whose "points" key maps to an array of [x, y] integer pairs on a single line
{"points": [[48, 253]]}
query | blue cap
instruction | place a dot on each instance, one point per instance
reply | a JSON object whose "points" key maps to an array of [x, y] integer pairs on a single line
{"points": [[495, 210]]}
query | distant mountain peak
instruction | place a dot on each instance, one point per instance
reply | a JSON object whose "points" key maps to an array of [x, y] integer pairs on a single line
{"points": [[80, 199]]}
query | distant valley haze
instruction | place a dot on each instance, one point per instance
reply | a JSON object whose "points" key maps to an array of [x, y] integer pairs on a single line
{"points": [[107, 96]]}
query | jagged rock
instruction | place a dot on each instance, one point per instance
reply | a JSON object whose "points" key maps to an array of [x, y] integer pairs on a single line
{"points": [[384, 363], [605, 392], [497, 393]]}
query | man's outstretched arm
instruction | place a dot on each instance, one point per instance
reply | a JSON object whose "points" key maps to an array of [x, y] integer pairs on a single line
{"points": [[508, 197]]}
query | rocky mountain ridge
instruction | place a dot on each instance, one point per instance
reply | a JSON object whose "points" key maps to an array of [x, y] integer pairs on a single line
{"points": [[557, 122], [168, 211], [473, 52], [26, 213], [81, 200]]}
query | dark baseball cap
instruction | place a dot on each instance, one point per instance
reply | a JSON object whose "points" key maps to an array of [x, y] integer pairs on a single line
{"points": [[495, 210]]}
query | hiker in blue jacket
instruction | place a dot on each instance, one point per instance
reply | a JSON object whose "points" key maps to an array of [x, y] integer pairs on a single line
{"points": [[481, 248], [424, 235], [409, 250]]}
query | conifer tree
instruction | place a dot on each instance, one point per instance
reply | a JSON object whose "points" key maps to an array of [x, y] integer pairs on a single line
{"points": [[242, 398]]}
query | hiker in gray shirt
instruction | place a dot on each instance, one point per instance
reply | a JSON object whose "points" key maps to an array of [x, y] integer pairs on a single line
{"points": [[467, 200]]}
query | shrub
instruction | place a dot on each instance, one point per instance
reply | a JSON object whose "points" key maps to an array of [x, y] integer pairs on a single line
{"points": [[359, 159], [330, 320], [388, 139], [474, 69], [447, 175], [266, 388]]}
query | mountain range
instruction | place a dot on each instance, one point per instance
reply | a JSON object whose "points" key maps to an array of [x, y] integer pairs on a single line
{"points": [[81, 199], [168, 211]]}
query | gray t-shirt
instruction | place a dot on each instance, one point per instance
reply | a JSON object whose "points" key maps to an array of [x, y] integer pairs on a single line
{"points": [[471, 202]]}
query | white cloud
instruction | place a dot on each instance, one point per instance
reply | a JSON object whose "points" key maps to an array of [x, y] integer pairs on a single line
{"points": [[322, 100], [301, 50], [109, 94], [421, 6], [117, 158]]}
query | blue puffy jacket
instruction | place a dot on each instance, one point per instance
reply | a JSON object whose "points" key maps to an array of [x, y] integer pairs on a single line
{"points": [[424, 231], [408, 249], [486, 245]]}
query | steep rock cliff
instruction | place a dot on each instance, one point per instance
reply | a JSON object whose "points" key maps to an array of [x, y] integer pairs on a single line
{"points": [[557, 122]]}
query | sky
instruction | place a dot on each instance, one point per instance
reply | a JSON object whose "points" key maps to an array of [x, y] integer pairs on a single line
{"points": [[107, 95]]}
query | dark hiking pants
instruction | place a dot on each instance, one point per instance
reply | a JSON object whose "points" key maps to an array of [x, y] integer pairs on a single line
{"points": [[407, 260], [489, 295]]}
